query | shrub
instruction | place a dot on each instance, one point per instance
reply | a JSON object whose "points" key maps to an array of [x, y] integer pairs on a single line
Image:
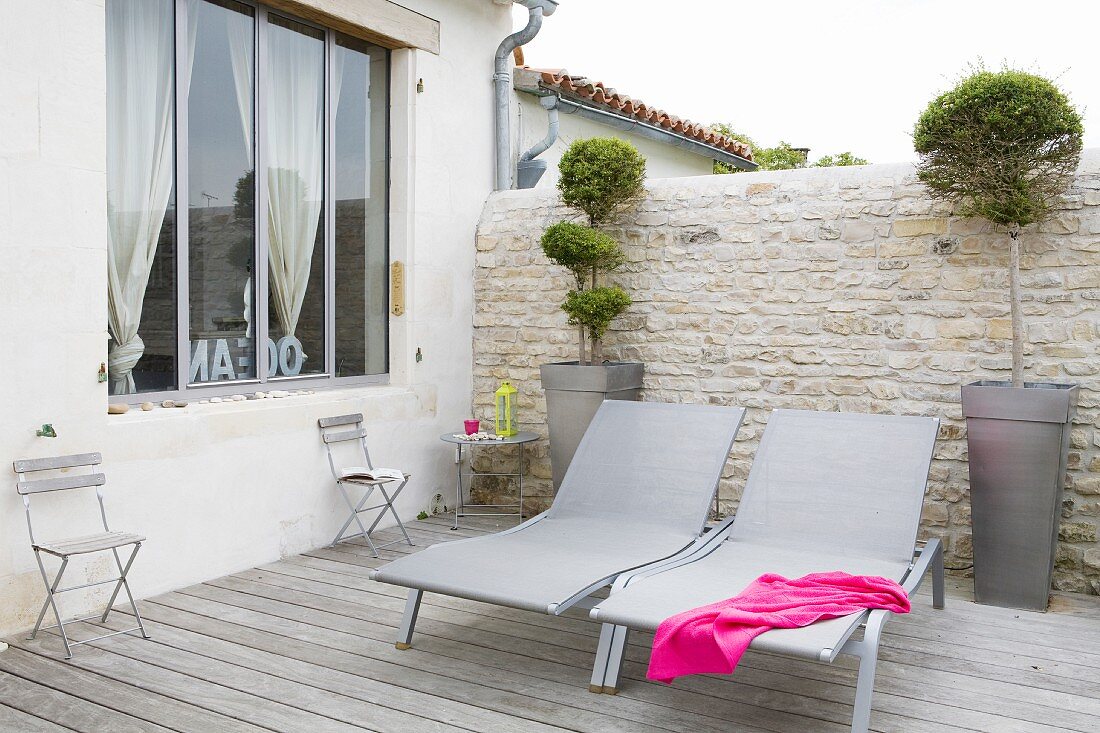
{"points": [[1002, 146], [582, 250], [595, 308], [601, 176]]}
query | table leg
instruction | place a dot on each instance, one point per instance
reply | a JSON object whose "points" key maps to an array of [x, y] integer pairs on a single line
{"points": [[520, 472], [458, 492]]}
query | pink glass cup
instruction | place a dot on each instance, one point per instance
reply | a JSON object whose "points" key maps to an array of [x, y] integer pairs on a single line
{"points": [[472, 426]]}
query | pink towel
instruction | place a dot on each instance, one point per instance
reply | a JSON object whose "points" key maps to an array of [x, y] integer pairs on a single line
{"points": [[711, 639]]}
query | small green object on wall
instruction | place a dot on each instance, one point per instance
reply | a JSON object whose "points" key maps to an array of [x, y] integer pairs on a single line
{"points": [[46, 431]]}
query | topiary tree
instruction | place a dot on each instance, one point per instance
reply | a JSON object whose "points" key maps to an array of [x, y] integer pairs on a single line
{"points": [[601, 177], [1002, 146]]}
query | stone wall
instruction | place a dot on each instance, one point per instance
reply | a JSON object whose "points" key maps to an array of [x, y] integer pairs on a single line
{"points": [[830, 289]]}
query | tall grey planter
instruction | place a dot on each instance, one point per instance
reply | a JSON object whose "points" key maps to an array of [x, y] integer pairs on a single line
{"points": [[573, 394], [1018, 443]]}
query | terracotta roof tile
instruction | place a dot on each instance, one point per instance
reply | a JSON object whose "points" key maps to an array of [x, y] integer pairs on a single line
{"points": [[599, 94]]}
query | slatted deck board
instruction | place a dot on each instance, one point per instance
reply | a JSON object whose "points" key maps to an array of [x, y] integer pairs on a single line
{"points": [[305, 645]]}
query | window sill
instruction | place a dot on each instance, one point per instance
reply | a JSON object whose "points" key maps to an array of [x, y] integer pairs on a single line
{"points": [[422, 397]]}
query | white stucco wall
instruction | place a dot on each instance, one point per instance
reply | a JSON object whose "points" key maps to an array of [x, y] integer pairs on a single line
{"points": [[662, 161], [221, 487]]}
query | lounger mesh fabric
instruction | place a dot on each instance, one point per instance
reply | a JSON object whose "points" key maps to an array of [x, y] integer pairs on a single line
{"points": [[650, 462], [838, 480], [638, 490], [827, 491]]}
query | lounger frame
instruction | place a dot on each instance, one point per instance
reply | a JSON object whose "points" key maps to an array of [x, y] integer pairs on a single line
{"points": [[927, 557], [580, 594]]}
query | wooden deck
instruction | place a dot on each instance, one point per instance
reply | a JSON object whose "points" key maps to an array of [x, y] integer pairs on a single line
{"points": [[305, 645]]}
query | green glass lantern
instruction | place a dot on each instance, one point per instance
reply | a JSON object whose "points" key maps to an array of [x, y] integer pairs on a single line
{"points": [[506, 410]]}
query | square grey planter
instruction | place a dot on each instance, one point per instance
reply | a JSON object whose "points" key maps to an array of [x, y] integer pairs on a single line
{"points": [[1018, 444], [574, 393]]}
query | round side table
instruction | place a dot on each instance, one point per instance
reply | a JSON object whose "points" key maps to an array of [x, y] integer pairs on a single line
{"points": [[521, 439]]}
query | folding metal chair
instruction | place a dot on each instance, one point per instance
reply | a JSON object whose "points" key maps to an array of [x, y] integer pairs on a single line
{"points": [[65, 549], [345, 476]]}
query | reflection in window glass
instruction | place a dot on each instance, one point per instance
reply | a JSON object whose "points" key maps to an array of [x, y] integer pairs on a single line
{"points": [[359, 92], [295, 191], [220, 190]]}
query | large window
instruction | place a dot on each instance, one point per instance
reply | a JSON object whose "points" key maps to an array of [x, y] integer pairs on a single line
{"points": [[271, 134]]}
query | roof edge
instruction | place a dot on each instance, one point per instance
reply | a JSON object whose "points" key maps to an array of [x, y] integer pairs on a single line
{"points": [[532, 82]]}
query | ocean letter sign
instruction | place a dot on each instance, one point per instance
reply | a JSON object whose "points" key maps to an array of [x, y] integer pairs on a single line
{"points": [[231, 359]]}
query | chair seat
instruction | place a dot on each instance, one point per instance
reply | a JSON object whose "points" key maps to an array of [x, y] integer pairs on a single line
{"points": [[345, 478], [89, 543]]}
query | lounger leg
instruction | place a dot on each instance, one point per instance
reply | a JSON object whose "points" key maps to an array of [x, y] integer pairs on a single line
{"points": [[865, 687], [408, 619], [867, 652], [599, 667], [615, 660], [937, 578]]}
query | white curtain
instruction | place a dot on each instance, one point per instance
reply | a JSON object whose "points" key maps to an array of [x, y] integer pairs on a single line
{"points": [[139, 166], [295, 162], [239, 29]]}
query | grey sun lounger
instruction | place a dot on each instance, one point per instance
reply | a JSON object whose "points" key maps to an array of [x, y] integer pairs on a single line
{"points": [[637, 491], [827, 491]]}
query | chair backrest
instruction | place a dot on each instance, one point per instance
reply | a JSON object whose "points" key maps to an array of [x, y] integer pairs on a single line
{"points": [[846, 483], [341, 421], [649, 463], [336, 430], [27, 486]]}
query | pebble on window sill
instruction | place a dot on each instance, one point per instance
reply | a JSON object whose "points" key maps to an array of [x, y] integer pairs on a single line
{"points": [[274, 394]]}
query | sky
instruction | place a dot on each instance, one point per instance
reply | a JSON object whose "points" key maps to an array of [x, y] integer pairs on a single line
{"points": [[831, 75]]}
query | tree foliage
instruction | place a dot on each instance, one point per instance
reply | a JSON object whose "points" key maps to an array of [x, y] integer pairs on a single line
{"points": [[601, 176], [780, 157], [581, 250], [840, 159], [595, 308], [1002, 145]]}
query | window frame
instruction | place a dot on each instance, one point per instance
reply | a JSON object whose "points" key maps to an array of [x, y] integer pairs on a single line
{"points": [[181, 235]]}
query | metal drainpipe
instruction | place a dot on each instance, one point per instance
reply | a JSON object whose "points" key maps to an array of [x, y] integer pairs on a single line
{"points": [[550, 104], [502, 80], [528, 170]]}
